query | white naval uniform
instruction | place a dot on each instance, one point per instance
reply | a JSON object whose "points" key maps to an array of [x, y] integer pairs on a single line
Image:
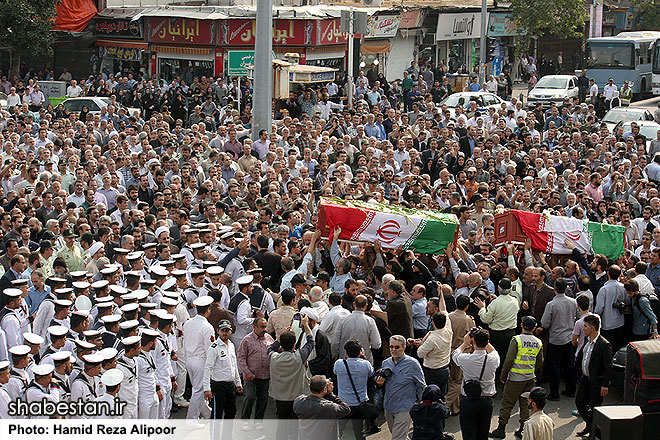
{"points": [[18, 382], [182, 316], [198, 336], [128, 392], [85, 388], [224, 293], [36, 393], [4, 354], [4, 402], [191, 294], [64, 384], [147, 396], [243, 321], [164, 372], [111, 401], [44, 315], [23, 314], [11, 324]]}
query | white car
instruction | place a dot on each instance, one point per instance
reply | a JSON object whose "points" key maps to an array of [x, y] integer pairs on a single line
{"points": [[649, 129], [484, 101], [553, 88], [93, 103], [626, 114]]}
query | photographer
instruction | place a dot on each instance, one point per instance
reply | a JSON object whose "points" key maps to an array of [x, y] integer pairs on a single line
{"points": [[478, 386], [645, 323], [403, 379]]}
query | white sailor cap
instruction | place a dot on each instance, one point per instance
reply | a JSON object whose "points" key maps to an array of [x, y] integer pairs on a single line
{"points": [[59, 356], [244, 280], [177, 256], [131, 340], [14, 293], [63, 302], [63, 291], [19, 282], [169, 302], [19, 350], [164, 316], [43, 369], [78, 273], [93, 358], [104, 299], [112, 377], [33, 338], [127, 325], [227, 235], [159, 271], [4, 364], [179, 273], [108, 353], [102, 284], [168, 284], [129, 297], [150, 332], [203, 301], [57, 330], [118, 290], [197, 271], [110, 319], [214, 270], [197, 246], [80, 285], [109, 270], [140, 294], [84, 344], [91, 334], [128, 308], [83, 313], [135, 255]]}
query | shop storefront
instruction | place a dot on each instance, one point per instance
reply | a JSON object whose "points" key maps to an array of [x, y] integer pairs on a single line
{"points": [[331, 47], [502, 27], [457, 38], [182, 47], [120, 44], [381, 29]]}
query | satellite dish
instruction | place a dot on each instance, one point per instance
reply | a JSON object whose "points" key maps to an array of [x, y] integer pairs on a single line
{"points": [[83, 304]]}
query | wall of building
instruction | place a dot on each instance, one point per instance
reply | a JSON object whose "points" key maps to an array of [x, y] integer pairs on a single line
{"points": [[400, 56]]}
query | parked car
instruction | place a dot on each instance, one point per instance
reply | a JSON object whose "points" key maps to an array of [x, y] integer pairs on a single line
{"points": [[93, 103], [484, 101], [553, 88], [626, 114], [646, 128]]}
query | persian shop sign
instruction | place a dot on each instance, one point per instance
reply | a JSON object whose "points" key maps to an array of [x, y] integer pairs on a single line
{"points": [[181, 30], [285, 32]]}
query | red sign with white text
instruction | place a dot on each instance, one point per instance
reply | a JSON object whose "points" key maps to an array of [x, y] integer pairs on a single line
{"points": [[241, 32], [329, 32], [181, 30]]}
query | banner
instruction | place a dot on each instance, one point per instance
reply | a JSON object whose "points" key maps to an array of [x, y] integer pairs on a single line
{"points": [[181, 30], [427, 232], [549, 233]]}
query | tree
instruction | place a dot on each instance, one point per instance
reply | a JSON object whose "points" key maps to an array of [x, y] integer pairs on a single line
{"points": [[647, 14], [561, 18], [26, 27]]}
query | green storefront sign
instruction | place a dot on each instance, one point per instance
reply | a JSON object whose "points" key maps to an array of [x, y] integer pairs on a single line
{"points": [[238, 62]]}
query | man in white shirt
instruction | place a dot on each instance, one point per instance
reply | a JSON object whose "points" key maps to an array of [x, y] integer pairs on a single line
{"points": [[333, 318], [74, 90], [221, 377], [198, 335], [609, 89]]}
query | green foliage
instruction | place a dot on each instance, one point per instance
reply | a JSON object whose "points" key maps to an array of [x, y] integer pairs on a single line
{"points": [[26, 25], [647, 14], [561, 18]]}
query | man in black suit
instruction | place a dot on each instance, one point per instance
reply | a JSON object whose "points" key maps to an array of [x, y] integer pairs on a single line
{"points": [[18, 266], [594, 364], [270, 264]]}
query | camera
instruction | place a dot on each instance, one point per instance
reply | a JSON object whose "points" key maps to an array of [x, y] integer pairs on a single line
{"points": [[385, 373], [619, 305]]}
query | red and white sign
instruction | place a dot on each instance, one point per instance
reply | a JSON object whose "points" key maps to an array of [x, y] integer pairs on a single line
{"points": [[329, 32]]}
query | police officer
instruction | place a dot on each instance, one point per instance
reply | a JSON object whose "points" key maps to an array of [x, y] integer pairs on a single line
{"points": [[43, 387], [111, 381], [150, 393], [221, 377], [198, 336], [524, 359], [626, 94], [128, 365]]}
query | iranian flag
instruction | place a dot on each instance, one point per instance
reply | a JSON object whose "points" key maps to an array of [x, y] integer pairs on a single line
{"points": [[427, 232], [550, 232]]}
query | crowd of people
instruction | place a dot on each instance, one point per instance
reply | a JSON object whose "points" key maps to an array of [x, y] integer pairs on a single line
{"points": [[171, 257]]}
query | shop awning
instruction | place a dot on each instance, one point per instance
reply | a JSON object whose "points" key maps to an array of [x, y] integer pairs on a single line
{"points": [[123, 43], [181, 50], [375, 46], [73, 15]]}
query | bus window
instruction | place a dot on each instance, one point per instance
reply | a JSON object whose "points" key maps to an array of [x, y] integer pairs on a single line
{"points": [[612, 55]]}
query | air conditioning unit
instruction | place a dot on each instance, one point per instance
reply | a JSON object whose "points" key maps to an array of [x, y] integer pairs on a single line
{"points": [[429, 38], [372, 2]]}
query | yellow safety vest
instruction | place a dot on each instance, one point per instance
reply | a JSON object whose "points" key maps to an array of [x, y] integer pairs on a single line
{"points": [[524, 364], [625, 95]]}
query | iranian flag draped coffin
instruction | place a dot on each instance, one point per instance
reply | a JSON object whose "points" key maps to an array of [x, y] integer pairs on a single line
{"points": [[549, 233], [427, 232]]}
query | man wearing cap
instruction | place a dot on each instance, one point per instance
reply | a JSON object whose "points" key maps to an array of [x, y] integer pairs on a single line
{"points": [[57, 335], [539, 426], [18, 376], [63, 368], [85, 386], [71, 253], [524, 359], [165, 358], [9, 318], [5, 398], [241, 309], [196, 290], [149, 391], [111, 380], [221, 376], [198, 335], [128, 365], [214, 282], [43, 387], [501, 316]]}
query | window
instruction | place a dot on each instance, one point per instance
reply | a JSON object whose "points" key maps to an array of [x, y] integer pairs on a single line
{"points": [[610, 55], [491, 100]]}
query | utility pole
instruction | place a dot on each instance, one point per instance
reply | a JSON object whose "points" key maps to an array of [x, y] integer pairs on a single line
{"points": [[351, 48], [262, 106], [482, 42]]}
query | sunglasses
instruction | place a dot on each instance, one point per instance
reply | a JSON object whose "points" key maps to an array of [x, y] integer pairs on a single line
{"points": [[395, 346]]}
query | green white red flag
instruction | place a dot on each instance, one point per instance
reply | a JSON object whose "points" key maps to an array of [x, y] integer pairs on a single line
{"points": [[549, 233], [427, 232]]}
